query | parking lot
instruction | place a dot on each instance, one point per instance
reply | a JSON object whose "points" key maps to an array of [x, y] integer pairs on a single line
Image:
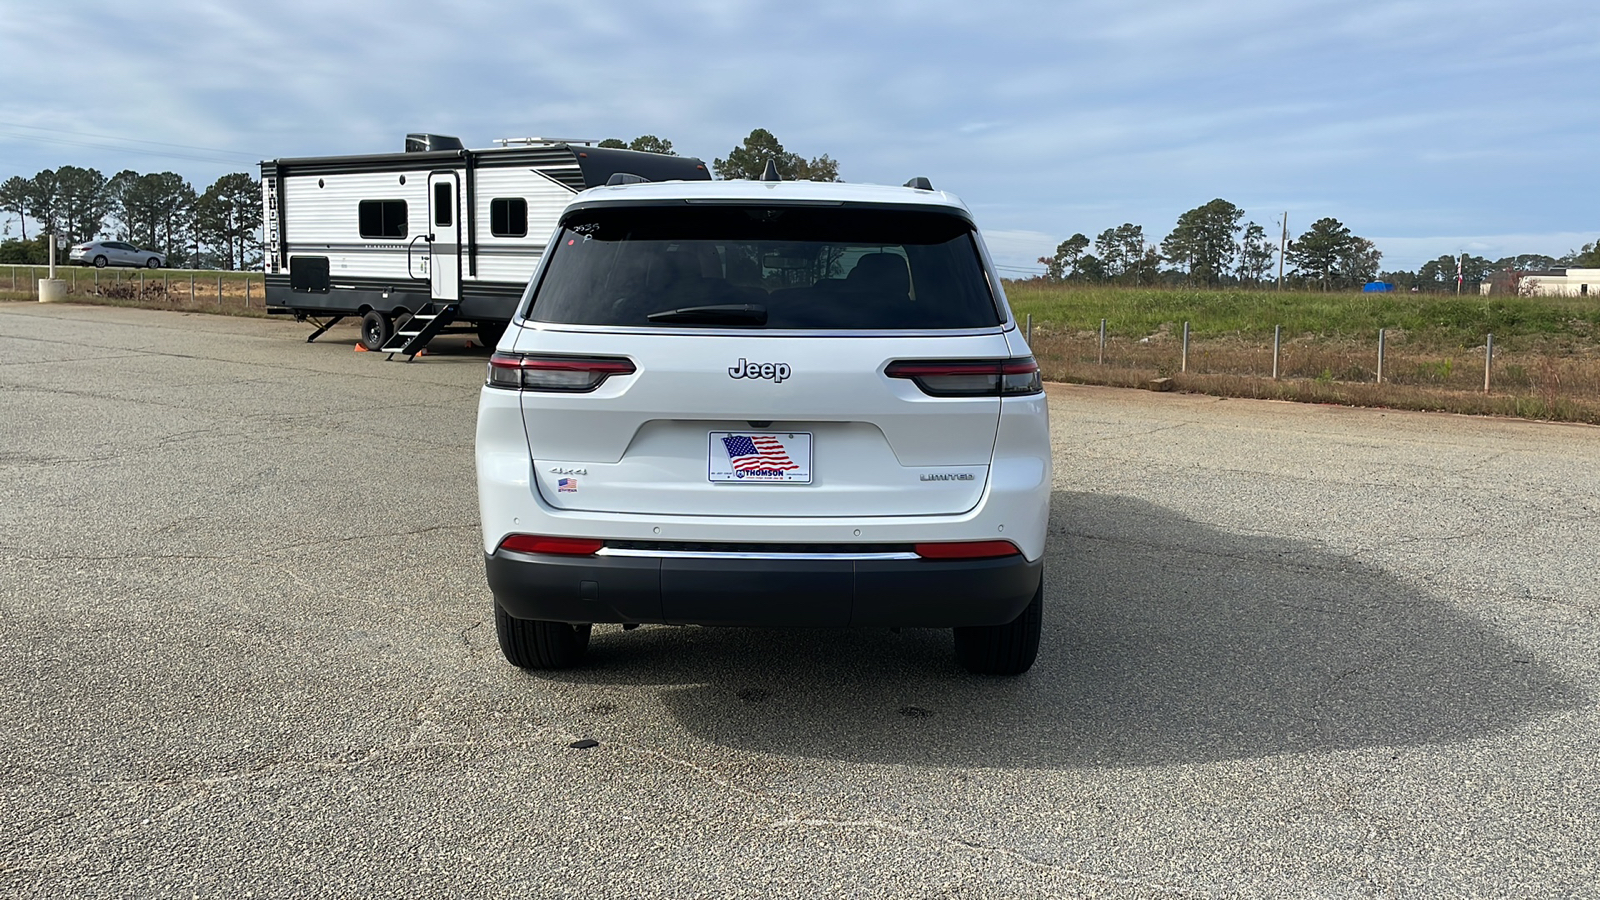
{"points": [[1289, 651]]}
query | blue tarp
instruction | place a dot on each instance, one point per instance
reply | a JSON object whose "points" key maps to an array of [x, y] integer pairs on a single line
{"points": [[1377, 287]]}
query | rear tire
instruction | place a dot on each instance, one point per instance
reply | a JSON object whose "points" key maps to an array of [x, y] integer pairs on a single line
{"points": [[100, 262], [489, 333], [529, 644], [1008, 649], [376, 329]]}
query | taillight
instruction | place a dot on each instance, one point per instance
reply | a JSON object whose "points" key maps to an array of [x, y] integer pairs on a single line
{"points": [[970, 377], [966, 550], [560, 546], [571, 374]]}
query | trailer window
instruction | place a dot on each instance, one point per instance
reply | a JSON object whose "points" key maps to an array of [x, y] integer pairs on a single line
{"points": [[441, 204], [508, 217], [383, 218]]}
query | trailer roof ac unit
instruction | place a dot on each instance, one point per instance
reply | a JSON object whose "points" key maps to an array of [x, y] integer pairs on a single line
{"points": [[420, 142]]}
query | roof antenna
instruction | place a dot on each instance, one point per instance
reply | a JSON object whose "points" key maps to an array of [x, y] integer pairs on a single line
{"points": [[771, 174], [920, 183]]}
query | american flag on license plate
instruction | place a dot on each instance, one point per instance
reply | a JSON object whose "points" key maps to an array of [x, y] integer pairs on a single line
{"points": [[758, 451]]}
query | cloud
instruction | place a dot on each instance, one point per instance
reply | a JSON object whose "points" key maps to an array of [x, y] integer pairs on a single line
{"points": [[1406, 118]]}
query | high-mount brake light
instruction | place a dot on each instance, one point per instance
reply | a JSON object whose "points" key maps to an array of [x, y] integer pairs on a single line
{"points": [[568, 374], [559, 546], [966, 550], [970, 377]]}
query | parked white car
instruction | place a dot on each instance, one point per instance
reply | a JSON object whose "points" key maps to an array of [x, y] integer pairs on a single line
{"points": [[115, 253], [762, 403]]}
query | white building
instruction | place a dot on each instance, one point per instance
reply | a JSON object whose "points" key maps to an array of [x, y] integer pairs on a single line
{"points": [[1571, 282]]}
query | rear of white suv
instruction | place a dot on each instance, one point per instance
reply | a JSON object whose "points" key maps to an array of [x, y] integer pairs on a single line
{"points": [[764, 404]]}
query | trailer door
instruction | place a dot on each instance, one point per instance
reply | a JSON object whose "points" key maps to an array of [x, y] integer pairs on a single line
{"points": [[444, 235]]}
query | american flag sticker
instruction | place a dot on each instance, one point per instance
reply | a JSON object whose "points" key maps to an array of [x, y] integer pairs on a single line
{"points": [[745, 457], [569, 485]]}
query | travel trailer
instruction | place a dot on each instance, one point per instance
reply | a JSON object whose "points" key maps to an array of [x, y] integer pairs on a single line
{"points": [[436, 237]]}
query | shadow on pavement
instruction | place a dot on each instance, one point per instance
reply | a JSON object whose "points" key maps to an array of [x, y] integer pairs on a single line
{"points": [[1166, 641]]}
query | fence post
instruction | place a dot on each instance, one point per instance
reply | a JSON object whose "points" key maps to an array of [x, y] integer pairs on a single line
{"points": [[1277, 347], [1488, 361], [1380, 356], [141, 284], [219, 290], [1102, 342], [191, 288], [97, 281], [247, 303], [1183, 362]]}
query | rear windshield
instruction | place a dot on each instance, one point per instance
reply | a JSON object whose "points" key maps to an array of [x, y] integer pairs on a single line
{"points": [[765, 267]]}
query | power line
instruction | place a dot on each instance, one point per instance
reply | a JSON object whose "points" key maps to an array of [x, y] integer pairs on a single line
{"points": [[155, 153], [112, 137]]}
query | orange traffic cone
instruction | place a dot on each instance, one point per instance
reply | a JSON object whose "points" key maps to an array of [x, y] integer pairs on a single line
{"points": [[361, 348]]}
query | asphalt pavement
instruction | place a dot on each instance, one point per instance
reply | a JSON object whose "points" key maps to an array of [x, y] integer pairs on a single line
{"points": [[1289, 651]]}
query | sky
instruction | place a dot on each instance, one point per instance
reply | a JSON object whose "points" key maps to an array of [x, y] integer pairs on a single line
{"points": [[1430, 127]]}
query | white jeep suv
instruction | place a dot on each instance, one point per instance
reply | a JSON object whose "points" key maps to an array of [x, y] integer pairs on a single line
{"points": [[765, 403]]}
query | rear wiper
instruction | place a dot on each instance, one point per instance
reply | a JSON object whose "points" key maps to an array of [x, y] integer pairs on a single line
{"points": [[724, 314]]}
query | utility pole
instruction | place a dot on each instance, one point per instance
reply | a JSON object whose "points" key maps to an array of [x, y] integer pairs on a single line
{"points": [[1283, 246], [1461, 263]]}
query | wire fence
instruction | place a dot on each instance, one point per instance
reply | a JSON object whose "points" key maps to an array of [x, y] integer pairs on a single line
{"points": [[1386, 368], [178, 288]]}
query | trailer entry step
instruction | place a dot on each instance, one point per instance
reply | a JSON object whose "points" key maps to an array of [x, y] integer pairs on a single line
{"points": [[433, 318]]}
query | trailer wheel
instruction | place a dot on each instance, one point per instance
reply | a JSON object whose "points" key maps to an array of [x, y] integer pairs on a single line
{"points": [[376, 329], [489, 333]]}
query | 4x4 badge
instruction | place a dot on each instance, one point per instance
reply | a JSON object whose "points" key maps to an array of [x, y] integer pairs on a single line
{"points": [[776, 372]]}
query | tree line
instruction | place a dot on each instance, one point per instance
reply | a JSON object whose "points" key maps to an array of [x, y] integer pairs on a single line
{"points": [[1209, 246], [221, 226], [217, 228], [1441, 274]]}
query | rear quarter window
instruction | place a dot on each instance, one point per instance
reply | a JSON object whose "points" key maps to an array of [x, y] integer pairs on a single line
{"points": [[833, 268]]}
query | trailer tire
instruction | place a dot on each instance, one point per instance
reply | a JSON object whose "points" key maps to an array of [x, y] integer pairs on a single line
{"points": [[376, 329], [489, 333], [530, 644]]}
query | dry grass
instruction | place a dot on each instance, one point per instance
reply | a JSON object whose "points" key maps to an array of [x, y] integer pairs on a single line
{"points": [[1316, 370], [227, 293]]}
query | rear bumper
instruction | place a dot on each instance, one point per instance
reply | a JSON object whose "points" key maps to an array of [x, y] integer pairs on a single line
{"points": [[820, 593]]}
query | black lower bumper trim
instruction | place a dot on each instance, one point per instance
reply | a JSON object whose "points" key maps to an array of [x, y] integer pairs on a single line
{"points": [[912, 593]]}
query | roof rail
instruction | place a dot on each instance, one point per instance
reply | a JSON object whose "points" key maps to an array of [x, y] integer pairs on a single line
{"points": [[920, 183], [534, 141], [625, 178]]}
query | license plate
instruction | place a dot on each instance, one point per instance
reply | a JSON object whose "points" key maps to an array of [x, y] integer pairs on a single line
{"points": [[760, 457]]}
